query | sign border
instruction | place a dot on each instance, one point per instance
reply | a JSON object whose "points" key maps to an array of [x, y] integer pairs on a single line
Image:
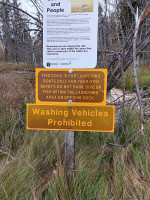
{"points": [[59, 69], [93, 16], [79, 105]]}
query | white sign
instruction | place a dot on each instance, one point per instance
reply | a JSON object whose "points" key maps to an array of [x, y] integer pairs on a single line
{"points": [[70, 33]]}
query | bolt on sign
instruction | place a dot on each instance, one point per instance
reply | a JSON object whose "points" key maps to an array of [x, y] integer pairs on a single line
{"points": [[77, 85], [72, 118], [70, 33]]}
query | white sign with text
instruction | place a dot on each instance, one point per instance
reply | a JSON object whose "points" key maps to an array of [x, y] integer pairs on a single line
{"points": [[70, 33]]}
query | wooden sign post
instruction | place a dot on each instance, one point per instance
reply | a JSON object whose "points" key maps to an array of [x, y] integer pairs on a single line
{"points": [[70, 154]]}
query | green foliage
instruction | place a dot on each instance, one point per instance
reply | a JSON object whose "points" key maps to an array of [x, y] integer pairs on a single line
{"points": [[37, 173], [143, 79]]}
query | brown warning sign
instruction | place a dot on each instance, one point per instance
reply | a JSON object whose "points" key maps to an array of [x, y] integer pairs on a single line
{"points": [[76, 85], [75, 118]]}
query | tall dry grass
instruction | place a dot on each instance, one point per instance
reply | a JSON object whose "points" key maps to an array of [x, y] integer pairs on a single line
{"points": [[14, 88], [38, 169], [143, 75], [35, 170]]}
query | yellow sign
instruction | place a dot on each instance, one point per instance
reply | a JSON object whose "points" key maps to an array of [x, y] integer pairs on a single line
{"points": [[74, 117], [76, 85]]}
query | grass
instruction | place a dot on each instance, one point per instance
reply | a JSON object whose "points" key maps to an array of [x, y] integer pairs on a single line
{"points": [[15, 67], [36, 172], [36, 167], [15, 88], [143, 79]]}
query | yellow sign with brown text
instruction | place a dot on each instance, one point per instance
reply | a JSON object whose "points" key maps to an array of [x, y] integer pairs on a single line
{"points": [[74, 118]]}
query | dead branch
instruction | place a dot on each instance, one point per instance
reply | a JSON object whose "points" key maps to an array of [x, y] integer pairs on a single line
{"points": [[28, 14]]}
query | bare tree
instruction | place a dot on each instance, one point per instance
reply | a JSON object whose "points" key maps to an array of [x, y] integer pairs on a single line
{"points": [[16, 29], [115, 38], [120, 43]]}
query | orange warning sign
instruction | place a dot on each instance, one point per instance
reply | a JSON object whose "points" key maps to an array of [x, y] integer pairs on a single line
{"points": [[76, 85], [74, 117]]}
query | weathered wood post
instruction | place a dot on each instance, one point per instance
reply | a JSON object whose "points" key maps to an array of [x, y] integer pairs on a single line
{"points": [[70, 154]]}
